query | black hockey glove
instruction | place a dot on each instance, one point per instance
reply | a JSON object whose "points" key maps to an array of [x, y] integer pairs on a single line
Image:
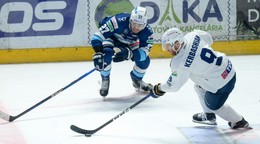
{"points": [[155, 91], [98, 59], [122, 54]]}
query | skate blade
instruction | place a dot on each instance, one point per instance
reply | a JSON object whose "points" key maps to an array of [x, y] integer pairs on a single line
{"points": [[206, 122], [247, 127], [139, 90], [142, 92]]}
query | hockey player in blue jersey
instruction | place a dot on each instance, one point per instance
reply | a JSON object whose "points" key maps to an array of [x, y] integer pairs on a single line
{"points": [[123, 37]]}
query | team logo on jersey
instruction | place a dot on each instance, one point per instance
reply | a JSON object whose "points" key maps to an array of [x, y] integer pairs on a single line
{"points": [[150, 40], [125, 31], [227, 70], [113, 19], [174, 74]]}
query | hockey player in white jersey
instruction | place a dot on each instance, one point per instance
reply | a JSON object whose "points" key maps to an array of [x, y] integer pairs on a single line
{"points": [[211, 71]]}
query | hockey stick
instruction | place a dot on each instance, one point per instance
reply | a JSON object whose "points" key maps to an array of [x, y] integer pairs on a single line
{"points": [[10, 118], [251, 28], [88, 133]]}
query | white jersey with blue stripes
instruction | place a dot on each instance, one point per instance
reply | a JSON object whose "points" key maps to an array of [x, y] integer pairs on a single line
{"points": [[198, 61]]}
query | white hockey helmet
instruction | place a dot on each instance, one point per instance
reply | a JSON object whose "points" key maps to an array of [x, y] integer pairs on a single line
{"points": [[139, 16], [171, 36]]}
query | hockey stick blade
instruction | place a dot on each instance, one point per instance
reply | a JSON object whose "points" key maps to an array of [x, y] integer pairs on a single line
{"points": [[82, 131], [5, 116], [90, 132]]}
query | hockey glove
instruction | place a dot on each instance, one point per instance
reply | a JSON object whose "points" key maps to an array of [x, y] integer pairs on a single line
{"points": [[122, 54], [98, 59], [155, 91]]}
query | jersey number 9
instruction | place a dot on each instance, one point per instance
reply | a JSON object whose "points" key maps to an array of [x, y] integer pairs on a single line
{"points": [[208, 56]]}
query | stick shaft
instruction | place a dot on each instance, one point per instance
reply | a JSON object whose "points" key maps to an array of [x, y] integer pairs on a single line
{"points": [[90, 132], [12, 118]]}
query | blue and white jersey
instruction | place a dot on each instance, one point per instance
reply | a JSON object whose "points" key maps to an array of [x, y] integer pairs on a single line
{"points": [[118, 26]]}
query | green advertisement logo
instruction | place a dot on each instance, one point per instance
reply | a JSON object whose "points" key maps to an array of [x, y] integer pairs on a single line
{"points": [[112, 7], [187, 17], [169, 14]]}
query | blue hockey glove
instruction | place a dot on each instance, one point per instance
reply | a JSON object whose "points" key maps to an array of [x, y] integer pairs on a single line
{"points": [[155, 91], [122, 54], [98, 59]]}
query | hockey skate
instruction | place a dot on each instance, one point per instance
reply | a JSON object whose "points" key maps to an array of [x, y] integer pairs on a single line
{"points": [[205, 118], [140, 85], [241, 124], [104, 86]]}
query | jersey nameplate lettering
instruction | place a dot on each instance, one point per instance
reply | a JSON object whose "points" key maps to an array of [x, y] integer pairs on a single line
{"points": [[192, 52]]}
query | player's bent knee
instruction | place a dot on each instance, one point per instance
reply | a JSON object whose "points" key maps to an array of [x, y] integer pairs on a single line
{"points": [[213, 105], [143, 64]]}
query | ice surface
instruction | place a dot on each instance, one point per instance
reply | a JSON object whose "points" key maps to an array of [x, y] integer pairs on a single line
{"points": [[166, 120]]}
